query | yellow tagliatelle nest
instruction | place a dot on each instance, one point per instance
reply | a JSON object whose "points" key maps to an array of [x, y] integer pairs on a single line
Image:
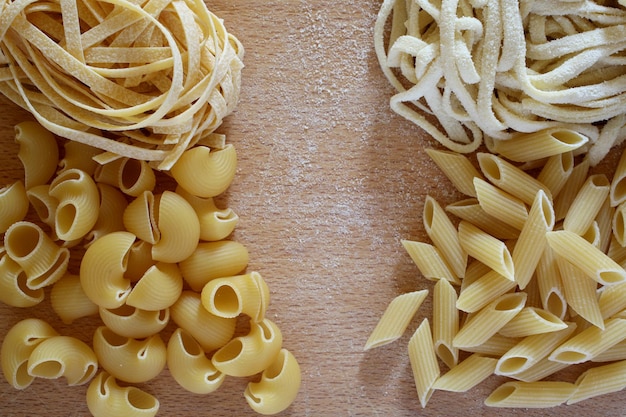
{"points": [[145, 80]]}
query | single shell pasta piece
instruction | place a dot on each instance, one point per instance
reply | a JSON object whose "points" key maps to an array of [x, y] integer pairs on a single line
{"points": [[78, 156], [487, 249], [429, 261], [423, 361], [38, 152], [229, 297], [212, 260], [110, 214], [130, 360], [135, 177], [395, 318], [540, 394], [278, 386], [587, 204], [530, 321], [215, 224], [457, 168], [445, 322], [139, 260], [252, 353], [63, 356], [135, 323], [79, 201], [211, 331], [158, 289], [13, 205], [471, 211], [590, 342], [44, 204], [179, 228], [556, 171], [444, 236], [109, 172], [17, 346], [140, 218], [189, 365], [102, 269], [501, 205], [467, 374], [105, 398], [13, 288], [69, 301], [617, 194], [204, 172], [541, 144], [580, 292], [599, 380]]}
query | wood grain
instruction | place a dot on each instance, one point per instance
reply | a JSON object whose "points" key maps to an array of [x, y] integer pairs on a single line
{"points": [[329, 181]]}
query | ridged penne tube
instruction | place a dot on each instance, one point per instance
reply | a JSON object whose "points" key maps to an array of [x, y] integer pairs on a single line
{"points": [[569, 191], [531, 321], [395, 318], [532, 239], [204, 172], [63, 356], [189, 365], [496, 346], [79, 200], [140, 218], [110, 214], [556, 171], [531, 350], [617, 194], [13, 288], [540, 394], [471, 211], [38, 152], [580, 292], [619, 224], [585, 256], [430, 261], [612, 300], [105, 398], [604, 221], [467, 374], [423, 361], [179, 228], [488, 321], [445, 322], [542, 369], [537, 145], [69, 301], [13, 204], [444, 236], [615, 353], [500, 204], [510, 178], [41, 259], [252, 353], [590, 342], [211, 260], [135, 177], [457, 168], [215, 223], [109, 253], [132, 322], [587, 203], [483, 291], [44, 204], [241, 294], [80, 156], [548, 280], [211, 331], [487, 249], [127, 359], [17, 346], [278, 386], [158, 289], [599, 380]]}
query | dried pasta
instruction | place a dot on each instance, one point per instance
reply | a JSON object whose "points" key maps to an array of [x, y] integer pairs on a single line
{"points": [[13, 205], [467, 374], [13, 288], [106, 398], [38, 153], [178, 226], [423, 362], [444, 236], [158, 288], [539, 394], [215, 223], [135, 323], [230, 297], [69, 301], [598, 381]]}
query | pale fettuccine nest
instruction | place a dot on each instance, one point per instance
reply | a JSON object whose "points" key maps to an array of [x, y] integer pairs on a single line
{"points": [[488, 69], [145, 79]]}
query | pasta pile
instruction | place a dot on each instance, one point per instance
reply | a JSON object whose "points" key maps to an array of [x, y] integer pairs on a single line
{"points": [[149, 258], [489, 69], [529, 275], [144, 80]]}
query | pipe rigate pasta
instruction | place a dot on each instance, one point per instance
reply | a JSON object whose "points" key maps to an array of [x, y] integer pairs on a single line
{"points": [[17, 346], [77, 155], [158, 289], [13, 204], [178, 226], [128, 321], [135, 177], [215, 224], [139, 260], [241, 294], [140, 218], [44, 204], [13, 288], [105, 398], [38, 152], [110, 214], [69, 301]]}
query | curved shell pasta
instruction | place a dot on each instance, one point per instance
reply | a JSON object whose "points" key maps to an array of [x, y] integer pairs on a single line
{"points": [[212, 260], [63, 356], [69, 301], [252, 353], [44, 204], [139, 260], [13, 205], [102, 269], [13, 288], [80, 156], [135, 177], [105, 398], [215, 224], [179, 228], [128, 321], [210, 331], [158, 289], [18, 344], [189, 365], [140, 218], [242, 294], [204, 172], [38, 152], [79, 201], [110, 214], [278, 386], [130, 360], [109, 172]]}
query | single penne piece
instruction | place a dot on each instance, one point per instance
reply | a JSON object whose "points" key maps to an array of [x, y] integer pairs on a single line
{"points": [[541, 144], [500, 204], [569, 191], [483, 291], [395, 318], [604, 221], [539, 394], [496, 346], [444, 236], [580, 292], [457, 168], [548, 279], [471, 211], [510, 178], [590, 342], [429, 260], [13, 205], [599, 380], [445, 322], [556, 171], [619, 224], [423, 361], [586, 256], [470, 372], [487, 249], [531, 321], [616, 251], [617, 194], [39, 152], [612, 300], [475, 271], [542, 369], [615, 353], [488, 321], [587, 204]]}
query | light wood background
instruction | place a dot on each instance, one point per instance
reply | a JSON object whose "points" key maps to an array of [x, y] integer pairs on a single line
{"points": [[329, 181]]}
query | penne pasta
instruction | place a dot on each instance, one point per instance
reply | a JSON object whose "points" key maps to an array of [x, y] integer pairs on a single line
{"points": [[550, 286], [543, 143], [483, 291], [615, 353], [531, 321], [466, 375], [590, 342], [619, 224], [598, 381], [580, 292], [496, 346], [444, 236], [487, 249], [430, 262], [457, 168], [617, 194], [587, 204], [571, 188], [612, 300], [471, 211], [556, 171], [540, 394], [501, 205], [445, 322], [423, 361]]}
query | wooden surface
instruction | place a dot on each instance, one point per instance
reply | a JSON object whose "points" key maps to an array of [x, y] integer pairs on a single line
{"points": [[329, 181]]}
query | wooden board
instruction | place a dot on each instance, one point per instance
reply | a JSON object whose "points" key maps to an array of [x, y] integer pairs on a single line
{"points": [[329, 181]]}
